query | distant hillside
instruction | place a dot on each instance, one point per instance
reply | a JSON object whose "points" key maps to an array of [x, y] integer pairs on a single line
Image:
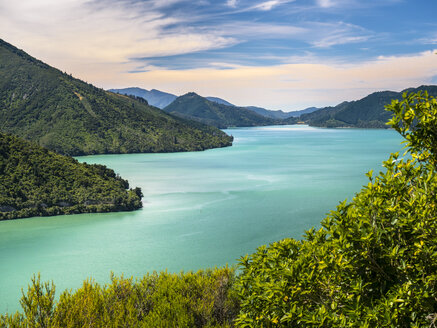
{"points": [[219, 101], [279, 114], [61, 113], [35, 181], [298, 113], [273, 114], [367, 112], [154, 97], [193, 106]]}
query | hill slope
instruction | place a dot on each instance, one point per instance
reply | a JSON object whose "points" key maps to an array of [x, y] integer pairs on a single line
{"points": [[195, 107], [64, 114], [273, 114], [35, 181], [367, 112], [154, 97], [219, 101]]}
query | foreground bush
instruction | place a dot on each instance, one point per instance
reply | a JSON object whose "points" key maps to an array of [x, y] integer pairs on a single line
{"points": [[201, 299], [373, 263]]}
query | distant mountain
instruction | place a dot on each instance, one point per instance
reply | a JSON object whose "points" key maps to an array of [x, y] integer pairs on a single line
{"points": [[273, 114], [298, 113], [162, 99], [69, 116], [154, 97], [219, 101], [195, 107], [367, 112], [35, 181], [279, 114]]}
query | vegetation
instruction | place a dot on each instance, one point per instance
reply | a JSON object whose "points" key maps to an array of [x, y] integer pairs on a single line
{"points": [[364, 113], [71, 117], [202, 299], [195, 107], [373, 263], [35, 181]]}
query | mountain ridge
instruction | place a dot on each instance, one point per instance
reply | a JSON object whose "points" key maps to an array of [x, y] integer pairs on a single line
{"points": [[367, 112], [64, 114], [195, 107]]}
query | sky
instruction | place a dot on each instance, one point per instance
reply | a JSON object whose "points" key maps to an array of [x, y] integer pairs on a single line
{"points": [[276, 54]]}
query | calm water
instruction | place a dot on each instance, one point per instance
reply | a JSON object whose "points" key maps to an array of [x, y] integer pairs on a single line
{"points": [[201, 209]]}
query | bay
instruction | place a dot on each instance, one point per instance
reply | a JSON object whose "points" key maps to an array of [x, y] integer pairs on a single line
{"points": [[201, 209]]}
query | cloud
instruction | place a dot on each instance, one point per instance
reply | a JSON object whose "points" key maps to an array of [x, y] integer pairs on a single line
{"points": [[232, 3], [331, 34], [64, 31], [326, 3], [269, 5]]}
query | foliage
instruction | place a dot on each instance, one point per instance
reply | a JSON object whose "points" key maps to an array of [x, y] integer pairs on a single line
{"points": [[202, 299], [367, 112], [373, 263], [35, 181], [195, 107], [416, 120], [71, 117]]}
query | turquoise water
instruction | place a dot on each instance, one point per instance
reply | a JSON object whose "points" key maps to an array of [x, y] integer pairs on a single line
{"points": [[201, 209]]}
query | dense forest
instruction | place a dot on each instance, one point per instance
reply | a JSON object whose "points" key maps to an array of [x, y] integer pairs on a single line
{"points": [[71, 117], [35, 181], [372, 263], [367, 112], [195, 107]]}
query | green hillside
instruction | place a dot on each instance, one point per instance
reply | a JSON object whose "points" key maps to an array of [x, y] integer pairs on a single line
{"points": [[69, 116], [195, 107], [35, 181], [367, 112]]}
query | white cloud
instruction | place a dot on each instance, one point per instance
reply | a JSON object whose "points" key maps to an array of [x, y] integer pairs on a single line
{"points": [[232, 3], [326, 35], [63, 32], [269, 5], [326, 3]]}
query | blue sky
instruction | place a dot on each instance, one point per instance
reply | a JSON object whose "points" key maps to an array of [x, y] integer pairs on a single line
{"points": [[277, 54], [273, 32]]}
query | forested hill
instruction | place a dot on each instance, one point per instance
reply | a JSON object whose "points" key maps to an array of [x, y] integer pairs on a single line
{"points": [[367, 112], [195, 107], [61, 113], [35, 181]]}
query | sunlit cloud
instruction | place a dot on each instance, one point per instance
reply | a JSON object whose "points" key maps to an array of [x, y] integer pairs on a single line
{"points": [[105, 33]]}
